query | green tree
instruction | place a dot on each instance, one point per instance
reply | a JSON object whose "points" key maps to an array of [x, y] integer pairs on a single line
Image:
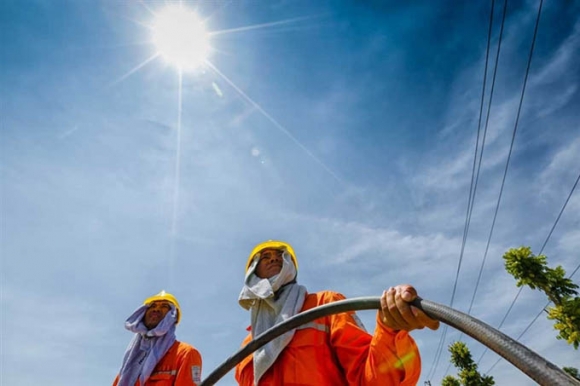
{"points": [[534, 272], [572, 371], [450, 380], [468, 374]]}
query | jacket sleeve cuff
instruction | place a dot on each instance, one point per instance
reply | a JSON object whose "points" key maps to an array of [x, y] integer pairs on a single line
{"points": [[407, 352], [383, 326]]}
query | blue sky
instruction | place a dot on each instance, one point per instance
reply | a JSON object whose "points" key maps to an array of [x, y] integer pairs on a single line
{"points": [[348, 130]]}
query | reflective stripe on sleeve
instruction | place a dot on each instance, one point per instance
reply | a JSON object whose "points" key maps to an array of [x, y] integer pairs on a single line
{"points": [[172, 372]]}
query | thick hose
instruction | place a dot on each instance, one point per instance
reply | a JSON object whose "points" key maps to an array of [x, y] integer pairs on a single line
{"points": [[540, 370]]}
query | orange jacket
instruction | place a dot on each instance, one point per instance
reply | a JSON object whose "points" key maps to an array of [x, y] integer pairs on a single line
{"points": [[334, 351], [180, 366]]}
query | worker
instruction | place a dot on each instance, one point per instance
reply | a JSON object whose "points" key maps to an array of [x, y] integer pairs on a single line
{"points": [[154, 356], [333, 350]]}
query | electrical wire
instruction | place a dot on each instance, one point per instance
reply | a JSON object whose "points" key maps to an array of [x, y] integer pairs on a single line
{"points": [[483, 144], [471, 198], [560, 214], [511, 144], [470, 209], [515, 129]]}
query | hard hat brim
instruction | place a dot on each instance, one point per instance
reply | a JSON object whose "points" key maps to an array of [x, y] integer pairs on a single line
{"points": [[272, 244]]}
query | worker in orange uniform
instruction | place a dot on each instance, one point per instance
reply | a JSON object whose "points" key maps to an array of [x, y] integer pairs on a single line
{"points": [[154, 356], [331, 351]]}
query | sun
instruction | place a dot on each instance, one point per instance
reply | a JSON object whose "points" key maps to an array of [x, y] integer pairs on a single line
{"points": [[180, 37]]}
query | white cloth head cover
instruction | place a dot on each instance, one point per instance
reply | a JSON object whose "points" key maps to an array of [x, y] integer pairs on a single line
{"points": [[269, 308], [147, 346]]}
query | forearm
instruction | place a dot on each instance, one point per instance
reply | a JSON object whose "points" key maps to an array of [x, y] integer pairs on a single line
{"points": [[397, 354], [387, 357]]}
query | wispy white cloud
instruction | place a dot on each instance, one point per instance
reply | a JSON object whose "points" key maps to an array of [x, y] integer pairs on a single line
{"points": [[563, 169], [562, 64], [569, 242]]}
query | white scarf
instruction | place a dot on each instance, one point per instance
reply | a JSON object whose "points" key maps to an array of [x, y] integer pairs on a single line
{"points": [[269, 308], [147, 347]]}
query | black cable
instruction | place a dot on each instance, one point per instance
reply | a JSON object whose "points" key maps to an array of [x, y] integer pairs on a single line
{"points": [[515, 131], [574, 271], [489, 104], [560, 214], [471, 198], [515, 126], [481, 155], [483, 143], [533, 365]]}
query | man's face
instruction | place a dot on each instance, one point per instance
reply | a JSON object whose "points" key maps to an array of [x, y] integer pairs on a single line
{"points": [[155, 313], [270, 263]]}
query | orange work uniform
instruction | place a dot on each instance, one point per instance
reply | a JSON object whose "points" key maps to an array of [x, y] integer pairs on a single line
{"points": [[335, 351], [180, 366]]}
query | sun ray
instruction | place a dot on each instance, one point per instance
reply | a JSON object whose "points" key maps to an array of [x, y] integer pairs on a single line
{"points": [[123, 45], [140, 23], [273, 121], [147, 7], [137, 22], [132, 71], [260, 26], [177, 178], [222, 6], [177, 169]]}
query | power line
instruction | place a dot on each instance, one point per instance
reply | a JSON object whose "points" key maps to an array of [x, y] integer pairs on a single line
{"points": [[541, 250], [514, 136], [470, 210], [515, 127], [471, 196], [560, 215], [483, 144], [511, 144]]}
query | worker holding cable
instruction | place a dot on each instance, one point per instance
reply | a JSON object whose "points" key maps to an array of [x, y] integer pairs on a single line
{"points": [[333, 350], [154, 356]]}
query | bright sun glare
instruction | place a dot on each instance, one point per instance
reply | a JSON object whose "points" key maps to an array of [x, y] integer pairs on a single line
{"points": [[180, 37]]}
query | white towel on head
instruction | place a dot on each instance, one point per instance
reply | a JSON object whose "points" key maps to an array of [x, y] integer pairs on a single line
{"points": [[147, 347], [269, 308]]}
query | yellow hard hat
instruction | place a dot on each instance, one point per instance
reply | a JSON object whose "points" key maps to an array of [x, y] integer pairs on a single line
{"points": [[168, 297], [272, 244]]}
